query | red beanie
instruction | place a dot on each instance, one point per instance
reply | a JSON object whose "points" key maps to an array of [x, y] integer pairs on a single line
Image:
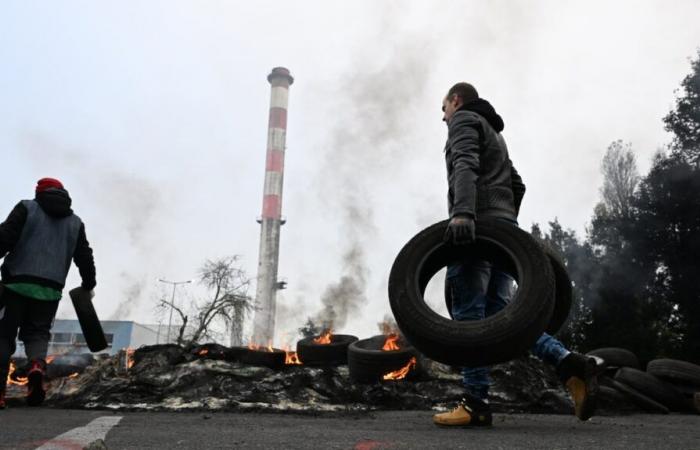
{"points": [[48, 183]]}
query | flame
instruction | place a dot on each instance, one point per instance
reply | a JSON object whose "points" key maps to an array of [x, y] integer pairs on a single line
{"points": [[291, 358], [50, 358], [130, 358], [402, 372], [324, 338], [390, 343], [73, 375], [21, 381], [203, 352], [260, 348]]}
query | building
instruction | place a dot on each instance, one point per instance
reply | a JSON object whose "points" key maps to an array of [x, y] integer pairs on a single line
{"points": [[67, 336]]}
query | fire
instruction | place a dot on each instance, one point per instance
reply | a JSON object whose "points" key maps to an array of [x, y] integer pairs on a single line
{"points": [[21, 381], [203, 352], [324, 338], [260, 348], [50, 358], [129, 358], [402, 372], [291, 358], [73, 375], [390, 343]]}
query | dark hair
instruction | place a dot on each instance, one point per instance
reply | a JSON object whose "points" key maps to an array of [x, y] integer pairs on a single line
{"points": [[465, 91]]}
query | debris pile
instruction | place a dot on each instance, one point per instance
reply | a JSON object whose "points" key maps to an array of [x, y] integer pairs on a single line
{"points": [[212, 377]]}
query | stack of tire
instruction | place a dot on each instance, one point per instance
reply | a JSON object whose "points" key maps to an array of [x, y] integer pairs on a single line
{"points": [[368, 363], [542, 301], [334, 353], [667, 385]]}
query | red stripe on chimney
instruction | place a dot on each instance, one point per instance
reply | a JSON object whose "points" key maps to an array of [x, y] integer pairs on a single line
{"points": [[278, 118], [275, 161], [271, 207]]}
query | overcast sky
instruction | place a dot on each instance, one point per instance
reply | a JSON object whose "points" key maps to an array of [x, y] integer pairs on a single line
{"points": [[154, 115]]}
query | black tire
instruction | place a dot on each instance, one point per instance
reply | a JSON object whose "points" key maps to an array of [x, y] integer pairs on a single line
{"points": [[563, 291], [673, 369], [652, 387], [274, 359], [498, 338], [615, 357], [89, 322], [367, 363], [333, 354], [639, 399]]}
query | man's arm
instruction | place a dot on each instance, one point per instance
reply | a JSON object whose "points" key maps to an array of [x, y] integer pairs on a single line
{"points": [[518, 188], [463, 136], [11, 228], [84, 260]]}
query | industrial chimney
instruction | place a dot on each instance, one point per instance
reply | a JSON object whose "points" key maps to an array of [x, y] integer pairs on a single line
{"points": [[271, 220]]}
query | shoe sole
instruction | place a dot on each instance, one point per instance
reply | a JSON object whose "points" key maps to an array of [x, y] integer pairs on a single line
{"points": [[35, 385], [589, 405]]}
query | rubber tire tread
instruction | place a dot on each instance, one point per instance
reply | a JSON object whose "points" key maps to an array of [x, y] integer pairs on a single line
{"points": [[676, 370], [563, 290], [616, 357], [639, 399], [652, 387], [89, 322], [369, 366], [333, 354], [504, 336]]}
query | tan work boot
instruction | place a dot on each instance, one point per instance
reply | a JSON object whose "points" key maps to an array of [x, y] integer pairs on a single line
{"points": [[469, 412], [579, 374]]}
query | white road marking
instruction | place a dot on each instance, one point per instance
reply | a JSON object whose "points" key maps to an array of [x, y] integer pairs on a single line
{"points": [[77, 438]]}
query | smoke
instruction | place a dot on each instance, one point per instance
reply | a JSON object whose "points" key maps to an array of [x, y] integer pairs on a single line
{"points": [[131, 297], [126, 205], [344, 298], [371, 137]]}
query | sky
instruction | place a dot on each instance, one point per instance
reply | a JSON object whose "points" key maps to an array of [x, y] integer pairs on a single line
{"points": [[154, 115]]}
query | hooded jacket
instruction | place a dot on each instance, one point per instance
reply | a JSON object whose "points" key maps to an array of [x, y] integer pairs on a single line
{"points": [[39, 239], [481, 178]]}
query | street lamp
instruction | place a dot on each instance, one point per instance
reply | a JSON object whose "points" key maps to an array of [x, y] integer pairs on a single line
{"points": [[172, 301]]}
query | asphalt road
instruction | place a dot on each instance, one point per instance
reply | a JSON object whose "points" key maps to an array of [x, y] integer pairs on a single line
{"points": [[24, 428]]}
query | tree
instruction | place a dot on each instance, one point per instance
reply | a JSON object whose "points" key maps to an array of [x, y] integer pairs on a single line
{"points": [[226, 303], [684, 120]]}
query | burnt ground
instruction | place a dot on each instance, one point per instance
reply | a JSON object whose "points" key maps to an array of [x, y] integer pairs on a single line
{"points": [[166, 378], [24, 428]]}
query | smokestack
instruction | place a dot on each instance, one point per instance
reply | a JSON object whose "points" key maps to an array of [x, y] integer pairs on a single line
{"points": [[271, 220]]}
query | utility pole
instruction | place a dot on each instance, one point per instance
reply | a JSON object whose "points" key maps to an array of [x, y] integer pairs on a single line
{"points": [[172, 302]]}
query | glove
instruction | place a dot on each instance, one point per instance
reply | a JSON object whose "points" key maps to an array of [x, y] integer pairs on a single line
{"points": [[461, 230]]}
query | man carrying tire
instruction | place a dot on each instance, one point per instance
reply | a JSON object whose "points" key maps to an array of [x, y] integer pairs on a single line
{"points": [[38, 241], [483, 183]]}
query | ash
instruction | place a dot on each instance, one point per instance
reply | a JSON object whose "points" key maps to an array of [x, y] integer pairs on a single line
{"points": [[169, 378]]}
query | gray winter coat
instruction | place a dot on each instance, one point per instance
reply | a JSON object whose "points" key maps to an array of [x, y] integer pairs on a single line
{"points": [[482, 180]]}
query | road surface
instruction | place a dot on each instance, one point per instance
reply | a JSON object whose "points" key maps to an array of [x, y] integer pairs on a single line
{"points": [[25, 428]]}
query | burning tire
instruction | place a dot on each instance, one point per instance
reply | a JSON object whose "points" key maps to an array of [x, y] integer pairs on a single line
{"points": [[335, 353], [616, 357], [274, 358], [639, 399], [498, 338], [652, 387], [677, 371], [563, 293], [368, 363]]}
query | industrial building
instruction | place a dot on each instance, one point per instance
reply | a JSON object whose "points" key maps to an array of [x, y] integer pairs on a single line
{"points": [[67, 337]]}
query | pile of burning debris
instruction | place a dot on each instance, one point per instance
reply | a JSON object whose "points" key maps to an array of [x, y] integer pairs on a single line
{"points": [[214, 377]]}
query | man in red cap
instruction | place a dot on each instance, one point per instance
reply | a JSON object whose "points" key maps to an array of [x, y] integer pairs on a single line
{"points": [[38, 241]]}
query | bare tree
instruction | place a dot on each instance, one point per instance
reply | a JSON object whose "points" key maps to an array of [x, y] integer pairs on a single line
{"points": [[620, 179], [227, 302]]}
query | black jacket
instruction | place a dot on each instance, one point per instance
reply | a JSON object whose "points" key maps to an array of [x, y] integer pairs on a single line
{"points": [[481, 178], [56, 203]]}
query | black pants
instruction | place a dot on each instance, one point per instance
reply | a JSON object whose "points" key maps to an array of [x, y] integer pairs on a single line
{"points": [[32, 318]]}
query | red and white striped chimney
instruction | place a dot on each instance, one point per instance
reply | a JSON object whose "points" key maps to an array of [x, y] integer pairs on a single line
{"points": [[271, 220]]}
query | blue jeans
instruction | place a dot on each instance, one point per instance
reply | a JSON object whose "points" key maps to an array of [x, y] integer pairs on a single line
{"points": [[479, 290]]}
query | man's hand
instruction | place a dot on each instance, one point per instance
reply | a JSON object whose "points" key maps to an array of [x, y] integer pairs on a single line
{"points": [[461, 230]]}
